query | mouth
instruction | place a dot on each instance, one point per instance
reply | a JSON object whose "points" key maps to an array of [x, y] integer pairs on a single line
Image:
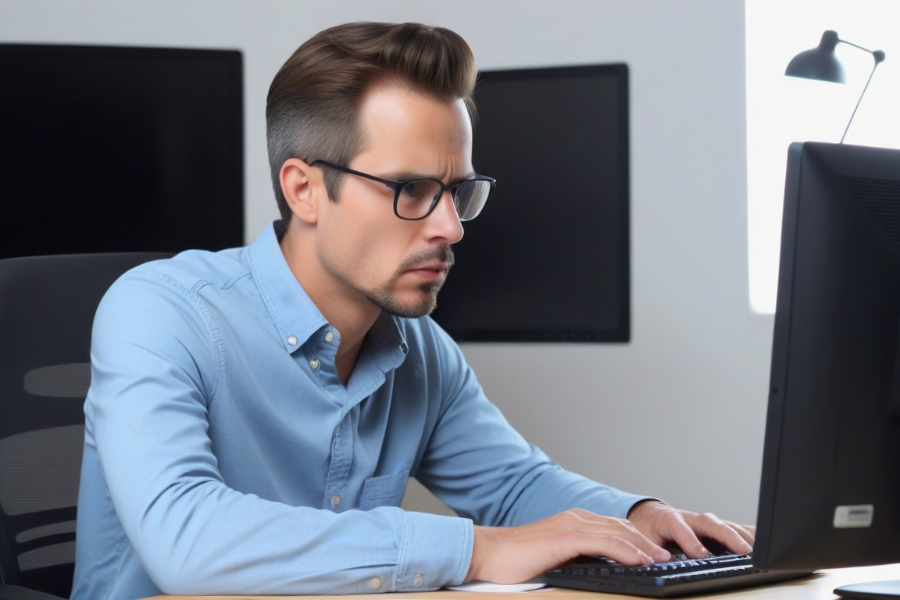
{"points": [[434, 270], [431, 265]]}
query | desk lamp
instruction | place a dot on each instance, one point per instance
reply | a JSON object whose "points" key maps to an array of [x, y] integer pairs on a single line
{"points": [[821, 63]]}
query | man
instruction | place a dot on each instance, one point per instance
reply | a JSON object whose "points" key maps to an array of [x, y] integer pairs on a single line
{"points": [[254, 414]]}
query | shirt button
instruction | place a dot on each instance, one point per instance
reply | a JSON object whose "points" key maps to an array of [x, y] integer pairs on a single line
{"points": [[375, 583], [419, 580], [329, 336], [292, 340], [335, 500], [314, 363]]}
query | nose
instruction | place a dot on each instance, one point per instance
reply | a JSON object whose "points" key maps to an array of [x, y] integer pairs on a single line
{"points": [[443, 223]]}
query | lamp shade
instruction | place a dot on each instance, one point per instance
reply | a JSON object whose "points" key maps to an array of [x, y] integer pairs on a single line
{"points": [[818, 63]]}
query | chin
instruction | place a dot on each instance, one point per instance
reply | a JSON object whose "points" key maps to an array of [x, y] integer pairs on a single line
{"points": [[414, 310], [423, 304]]}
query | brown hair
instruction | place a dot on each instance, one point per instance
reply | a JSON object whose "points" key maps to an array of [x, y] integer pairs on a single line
{"points": [[312, 106]]}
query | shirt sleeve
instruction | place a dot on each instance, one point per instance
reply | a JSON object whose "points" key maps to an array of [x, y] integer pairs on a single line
{"points": [[482, 468], [155, 370]]}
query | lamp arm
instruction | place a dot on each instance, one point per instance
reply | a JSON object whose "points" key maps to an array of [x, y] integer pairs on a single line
{"points": [[875, 66], [878, 55], [856, 46]]}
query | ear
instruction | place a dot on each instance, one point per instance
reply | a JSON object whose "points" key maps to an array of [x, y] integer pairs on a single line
{"points": [[302, 187]]}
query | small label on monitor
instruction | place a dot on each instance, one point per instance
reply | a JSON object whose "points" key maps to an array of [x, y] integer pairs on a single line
{"points": [[859, 515]]}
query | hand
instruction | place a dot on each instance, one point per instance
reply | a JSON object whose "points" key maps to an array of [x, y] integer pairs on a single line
{"points": [[514, 554], [661, 523]]}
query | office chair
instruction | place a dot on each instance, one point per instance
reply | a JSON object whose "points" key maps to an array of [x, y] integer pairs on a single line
{"points": [[47, 306]]}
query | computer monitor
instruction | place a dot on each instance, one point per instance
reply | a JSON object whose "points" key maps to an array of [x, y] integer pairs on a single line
{"points": [[548, 258], [830, 489], [118, 149]]}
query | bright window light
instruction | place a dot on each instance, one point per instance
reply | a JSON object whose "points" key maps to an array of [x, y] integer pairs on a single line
{"points": [[781, 110]]}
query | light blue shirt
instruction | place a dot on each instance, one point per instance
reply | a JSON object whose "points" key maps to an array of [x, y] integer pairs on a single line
{"points": [[223, 455]]}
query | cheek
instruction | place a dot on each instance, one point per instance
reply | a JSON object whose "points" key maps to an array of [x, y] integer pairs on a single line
{"points": [[363, 251]]}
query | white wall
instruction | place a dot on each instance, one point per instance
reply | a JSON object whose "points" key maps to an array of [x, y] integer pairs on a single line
{"points": [[781, 110], [679, 411]]}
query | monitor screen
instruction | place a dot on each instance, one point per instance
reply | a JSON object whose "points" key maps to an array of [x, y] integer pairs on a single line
{"points": [[548, 258], [107, 149], [830, 491]]}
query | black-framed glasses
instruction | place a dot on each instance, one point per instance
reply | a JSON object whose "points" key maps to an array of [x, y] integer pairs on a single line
{"points": [[414, 200]]}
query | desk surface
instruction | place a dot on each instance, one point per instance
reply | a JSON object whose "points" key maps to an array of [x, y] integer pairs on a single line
{"points": [[818, 586]]}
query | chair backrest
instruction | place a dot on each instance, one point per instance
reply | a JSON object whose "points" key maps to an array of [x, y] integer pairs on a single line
{"points": [[47, 306]]}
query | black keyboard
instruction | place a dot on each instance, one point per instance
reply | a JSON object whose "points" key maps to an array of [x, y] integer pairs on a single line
{"points": [[679, 577]]}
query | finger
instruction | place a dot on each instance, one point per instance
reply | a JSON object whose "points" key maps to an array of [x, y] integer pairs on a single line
{"points": [[710, 526], [748, 532], [683, 535], [615, 547], [657, 553], [595, 525]]}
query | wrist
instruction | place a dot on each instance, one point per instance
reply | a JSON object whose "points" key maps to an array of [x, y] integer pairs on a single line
{"points": [[481, 542], [643, 506]]}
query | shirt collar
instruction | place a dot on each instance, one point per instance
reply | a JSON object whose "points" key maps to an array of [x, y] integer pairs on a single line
{"points": [[295, 314], [388, 343]]}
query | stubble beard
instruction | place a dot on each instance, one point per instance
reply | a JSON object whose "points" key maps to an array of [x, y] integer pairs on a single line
{"points": [[385, 299]]}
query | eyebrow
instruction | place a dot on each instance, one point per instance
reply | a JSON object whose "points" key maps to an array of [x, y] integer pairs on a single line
{"points": [[409, 176]]}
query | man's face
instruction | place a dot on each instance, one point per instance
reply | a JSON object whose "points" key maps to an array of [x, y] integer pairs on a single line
{"points": [[367, 251]]}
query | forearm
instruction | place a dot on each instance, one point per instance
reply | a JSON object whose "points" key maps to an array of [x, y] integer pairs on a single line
{"points": [[556, 490], [207, 539]]}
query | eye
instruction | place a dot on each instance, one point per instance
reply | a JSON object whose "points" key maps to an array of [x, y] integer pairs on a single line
{"points": [[417, 190]]}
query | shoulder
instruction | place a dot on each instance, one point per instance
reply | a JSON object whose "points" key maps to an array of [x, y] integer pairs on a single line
{"points": [[191, 270], [159, 301], [175, 280]]}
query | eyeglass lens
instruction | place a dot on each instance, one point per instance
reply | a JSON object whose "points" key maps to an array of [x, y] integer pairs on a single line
{"points": [[416, 198]]}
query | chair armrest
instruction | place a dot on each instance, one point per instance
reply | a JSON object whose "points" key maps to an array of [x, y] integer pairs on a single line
{"points": [[15, 592]]}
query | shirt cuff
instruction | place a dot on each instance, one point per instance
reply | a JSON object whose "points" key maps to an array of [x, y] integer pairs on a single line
{"points": [[436, 552]]}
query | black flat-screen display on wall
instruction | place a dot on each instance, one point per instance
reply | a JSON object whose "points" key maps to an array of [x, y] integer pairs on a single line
{"points": [[109, 149], [548, 258]]}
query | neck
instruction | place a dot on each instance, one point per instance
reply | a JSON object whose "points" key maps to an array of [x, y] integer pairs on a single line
{"points": [[346, 311]]}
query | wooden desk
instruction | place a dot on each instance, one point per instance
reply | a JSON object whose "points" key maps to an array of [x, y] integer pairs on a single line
{"points": [[816, 587]]}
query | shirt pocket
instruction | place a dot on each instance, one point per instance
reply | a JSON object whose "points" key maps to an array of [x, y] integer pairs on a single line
{"points": [[386, 490]]}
